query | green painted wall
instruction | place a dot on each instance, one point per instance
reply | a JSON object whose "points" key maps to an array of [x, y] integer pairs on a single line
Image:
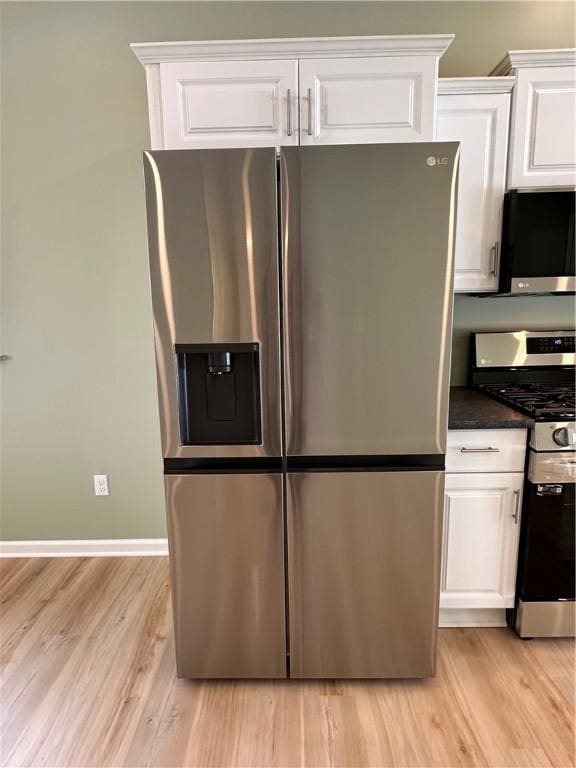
{"points": [[78, 397]]}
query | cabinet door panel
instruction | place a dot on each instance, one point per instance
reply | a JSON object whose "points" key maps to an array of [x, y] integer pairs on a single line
{"points": [[481, 529], [364, 100], [480, 123], [229, 104], [543, 146]]}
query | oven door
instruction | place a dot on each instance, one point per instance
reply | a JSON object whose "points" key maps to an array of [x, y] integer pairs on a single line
{"points": [[546, 560], [538, 243]]}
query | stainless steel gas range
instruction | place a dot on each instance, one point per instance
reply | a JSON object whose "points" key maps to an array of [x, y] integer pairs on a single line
{"points": [[533, 371]]}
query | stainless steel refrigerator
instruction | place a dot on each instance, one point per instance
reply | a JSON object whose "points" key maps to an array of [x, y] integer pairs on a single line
{"points": [[302, 313]]}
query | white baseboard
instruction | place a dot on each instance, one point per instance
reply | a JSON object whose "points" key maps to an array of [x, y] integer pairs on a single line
{"points": [[84, 548], [472, 617]]}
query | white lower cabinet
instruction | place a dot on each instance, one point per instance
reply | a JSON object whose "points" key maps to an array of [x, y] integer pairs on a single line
{"points": [[481, 530], [482, 510]]}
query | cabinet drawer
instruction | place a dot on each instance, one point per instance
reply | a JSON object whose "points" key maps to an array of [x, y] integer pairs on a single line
{"points": [[486, 450]]}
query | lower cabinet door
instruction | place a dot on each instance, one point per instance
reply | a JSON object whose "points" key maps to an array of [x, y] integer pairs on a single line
{"points": [[227, 566], [364, 567], [481, 532]]}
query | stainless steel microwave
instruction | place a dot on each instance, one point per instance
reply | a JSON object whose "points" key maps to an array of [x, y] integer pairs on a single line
{"points": [[538, 243]]}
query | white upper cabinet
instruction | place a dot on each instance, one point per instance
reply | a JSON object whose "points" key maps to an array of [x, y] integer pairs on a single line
{"points": [[475, 112], [481, 531], [259, 93], [543, 135], [224, 104], [362, 100]]}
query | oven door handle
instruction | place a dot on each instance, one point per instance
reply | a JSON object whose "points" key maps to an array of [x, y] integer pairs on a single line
{"points": [[549, 490]]}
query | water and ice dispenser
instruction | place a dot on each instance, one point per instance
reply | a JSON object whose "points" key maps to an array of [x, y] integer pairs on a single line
{"points": [[219, 393]]}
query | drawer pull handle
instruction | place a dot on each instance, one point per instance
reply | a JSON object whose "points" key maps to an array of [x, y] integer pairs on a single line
{"points": [[495, 251], [288, 112], [516, 513], [480, 450]]}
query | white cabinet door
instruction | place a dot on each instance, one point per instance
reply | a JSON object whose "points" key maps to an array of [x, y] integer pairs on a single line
{"points": [[229, 104], [543, 139], [480, 123], [481, 530], [363, 100]]}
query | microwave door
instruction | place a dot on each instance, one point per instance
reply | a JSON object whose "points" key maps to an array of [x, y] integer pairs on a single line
{"points": [[538, 243]]}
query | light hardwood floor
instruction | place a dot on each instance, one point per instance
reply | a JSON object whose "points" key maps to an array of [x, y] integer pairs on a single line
{"points": [[88, 680]]}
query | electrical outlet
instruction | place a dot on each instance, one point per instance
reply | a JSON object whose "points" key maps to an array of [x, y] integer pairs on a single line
{"points": [[101, 485]]}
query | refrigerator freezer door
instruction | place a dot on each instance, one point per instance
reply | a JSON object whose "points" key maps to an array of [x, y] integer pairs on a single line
{"points": [[227, 567], [213, 242], [368, 260], [364, 562]]}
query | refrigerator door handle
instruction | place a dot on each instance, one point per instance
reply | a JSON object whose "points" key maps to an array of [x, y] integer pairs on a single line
{"points": [[291, 293]]}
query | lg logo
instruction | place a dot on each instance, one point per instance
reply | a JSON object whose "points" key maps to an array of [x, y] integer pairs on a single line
{"points": [[432, 161]]}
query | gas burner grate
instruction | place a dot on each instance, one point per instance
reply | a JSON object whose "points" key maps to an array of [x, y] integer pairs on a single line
{"points": [[541, 401]]}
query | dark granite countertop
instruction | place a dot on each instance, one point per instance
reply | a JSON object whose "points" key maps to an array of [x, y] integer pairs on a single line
{"points": [[471, 410]]}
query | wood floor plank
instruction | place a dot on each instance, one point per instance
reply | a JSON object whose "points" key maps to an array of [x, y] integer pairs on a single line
{"points": [[88, 679]]}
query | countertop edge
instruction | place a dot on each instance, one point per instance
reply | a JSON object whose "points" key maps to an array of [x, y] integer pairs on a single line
{"points": [[470, 409]]}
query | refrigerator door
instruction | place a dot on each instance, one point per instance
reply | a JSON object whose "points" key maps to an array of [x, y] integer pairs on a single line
{"points": [[213, 242], [227, 568], [368, 263], [364, 554]]}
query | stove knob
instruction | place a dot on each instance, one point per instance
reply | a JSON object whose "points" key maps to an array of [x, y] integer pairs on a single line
{"points": [[564, 437]]}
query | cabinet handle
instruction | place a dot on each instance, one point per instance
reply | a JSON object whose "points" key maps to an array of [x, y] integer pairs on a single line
{"points": [[516, 513], [289, 112], [495, 251], [309, 130], [480, 450]]}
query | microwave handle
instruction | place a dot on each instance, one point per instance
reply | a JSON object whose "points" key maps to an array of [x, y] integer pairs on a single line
{"points": [[569, 259]]}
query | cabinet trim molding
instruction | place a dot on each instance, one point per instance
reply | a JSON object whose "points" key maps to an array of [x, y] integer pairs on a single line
{"points": [[472, 617], [549, 57], [292, 48], [472, 85], [85, 548]]}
